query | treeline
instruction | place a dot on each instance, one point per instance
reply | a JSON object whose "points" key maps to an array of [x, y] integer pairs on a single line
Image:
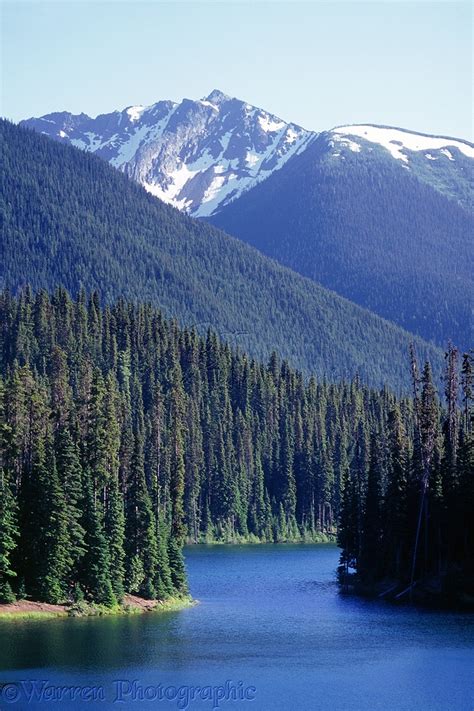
{"points": [[122, 436], [406, 524]]}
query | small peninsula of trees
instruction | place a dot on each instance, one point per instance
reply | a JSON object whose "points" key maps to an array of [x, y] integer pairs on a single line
{"points": [[407, 517]]}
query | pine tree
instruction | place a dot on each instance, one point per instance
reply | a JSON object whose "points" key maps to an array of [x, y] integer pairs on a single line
{"points": [[348, 530], [141, 527], [114, 521], [96, 574], [9, 533], [465, 465], [177, 567], [467, 384], [369, 565], [176, 413], [287, 471], [163, 581], [50, 561], [115, 533], [427, 429], [395, 507], [70, 477]]}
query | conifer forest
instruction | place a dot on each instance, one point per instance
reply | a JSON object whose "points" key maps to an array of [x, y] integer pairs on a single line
{"points": [[124, 436]]}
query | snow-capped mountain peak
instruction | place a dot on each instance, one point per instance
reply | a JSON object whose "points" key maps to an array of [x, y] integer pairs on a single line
{"points": [[197, 155], [217, 97]]}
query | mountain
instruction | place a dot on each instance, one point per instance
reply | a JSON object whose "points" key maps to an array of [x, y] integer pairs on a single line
{"points": [[201, 155], [69, 218], [196, 155], [381, 216]]}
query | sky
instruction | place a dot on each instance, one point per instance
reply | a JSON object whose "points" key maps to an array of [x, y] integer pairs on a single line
{"points": [[318, 64]]}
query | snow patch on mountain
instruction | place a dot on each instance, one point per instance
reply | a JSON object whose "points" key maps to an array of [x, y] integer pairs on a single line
{"points": [[269, 124], [208, 103], [134, 112], [397, 141], [345, 141], [446, 153]]}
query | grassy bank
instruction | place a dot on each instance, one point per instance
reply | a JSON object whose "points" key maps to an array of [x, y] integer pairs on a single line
{"points": [[236, 539], [132, 605]]}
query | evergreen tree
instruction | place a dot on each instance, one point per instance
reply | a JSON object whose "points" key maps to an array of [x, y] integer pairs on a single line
{"points": [[115, 533], [9, 533], [177, 567], [50, 560], [370, 560], [70, 477], [141, 528], [395, 507], [96, 574], [163, 581]]}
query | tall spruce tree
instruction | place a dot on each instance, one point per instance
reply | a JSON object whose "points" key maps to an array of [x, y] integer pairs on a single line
{"points": [[141, 541], [96, 574], [9, 533], [371, 538]]}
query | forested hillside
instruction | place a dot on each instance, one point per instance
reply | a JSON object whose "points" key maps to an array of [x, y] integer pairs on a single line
{"points": [[367, 226], [122, 436], [71, 219]]}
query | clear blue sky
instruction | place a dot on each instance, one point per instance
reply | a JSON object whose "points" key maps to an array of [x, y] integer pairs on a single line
{"points": [[319, 64]]}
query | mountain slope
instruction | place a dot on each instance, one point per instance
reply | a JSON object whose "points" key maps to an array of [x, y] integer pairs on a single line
{"points": [[356, 216], [196, 155], [69, 218]]}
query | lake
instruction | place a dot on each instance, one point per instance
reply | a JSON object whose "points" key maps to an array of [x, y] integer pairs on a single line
{"points": [[271, 630]]}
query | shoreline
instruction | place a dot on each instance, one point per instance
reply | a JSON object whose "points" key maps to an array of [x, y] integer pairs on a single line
{"points": [[424, 596], [322, 538], [131, 605]]}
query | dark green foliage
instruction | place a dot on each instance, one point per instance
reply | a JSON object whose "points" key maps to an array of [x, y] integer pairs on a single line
{"points": [[371, 534], [141, 535], [126, 436], [395, 506], [48, 562], [124, 442], [9, 530], [177, 569], [115, 532], [416, 498], [162, 582], [70, 478], [8, 537], [71, 219], [367, 227], [96, 571]]}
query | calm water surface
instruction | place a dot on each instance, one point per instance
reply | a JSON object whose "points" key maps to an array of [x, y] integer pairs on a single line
{"points": [[269, 617]]}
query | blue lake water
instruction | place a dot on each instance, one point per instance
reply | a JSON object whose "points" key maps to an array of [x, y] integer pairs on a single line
{"points": [[270, 623]]}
